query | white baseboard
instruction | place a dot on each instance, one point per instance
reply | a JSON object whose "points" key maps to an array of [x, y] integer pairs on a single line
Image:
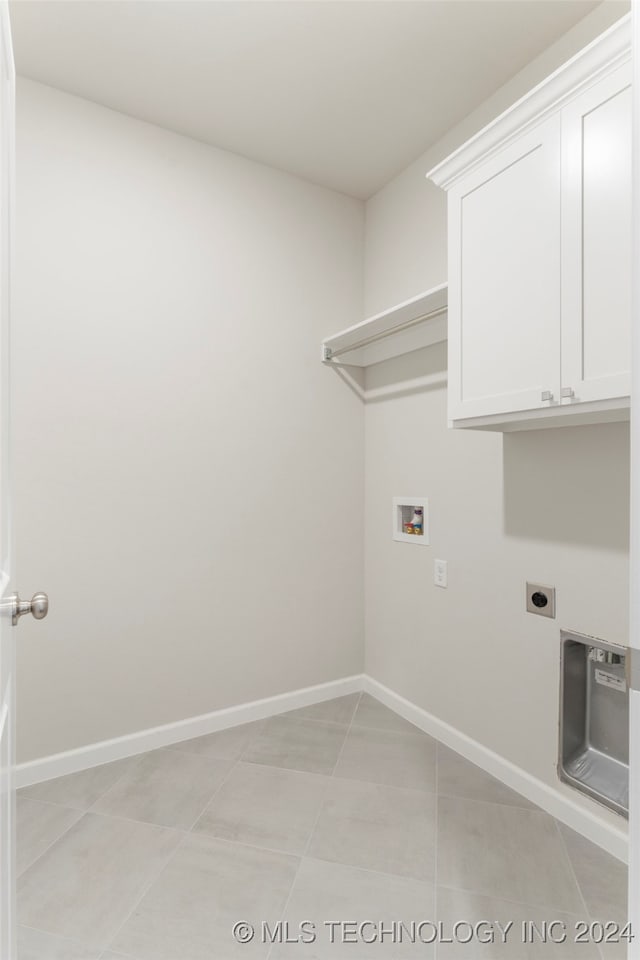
{"points": [[612, 839], [82, 758]]}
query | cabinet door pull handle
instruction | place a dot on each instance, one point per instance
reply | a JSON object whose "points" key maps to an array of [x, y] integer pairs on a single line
{"points": [[546, 395], [567, 393]]}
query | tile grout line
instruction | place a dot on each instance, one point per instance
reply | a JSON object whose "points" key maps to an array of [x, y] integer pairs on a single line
{"points": [[58, 936], [125, 956], [564, 847], [515, 903], [189, 832], [243, 844], [119, 953], [376, 873], [49, 845], [115, 783], [395, 730], [140, 757], [82, 814], [123, 819], [233, 763], [532, 808], [313, 829], [145, 889], [387, 786], [50, 803], [83, 810], [341, 751], [300, 859], [215, 793], [157, 876], [497, 803]]}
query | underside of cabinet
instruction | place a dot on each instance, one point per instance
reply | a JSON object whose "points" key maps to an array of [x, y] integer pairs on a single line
{"points": [[604, 411]]}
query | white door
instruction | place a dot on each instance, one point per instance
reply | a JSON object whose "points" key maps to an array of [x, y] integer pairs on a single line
{"points": [[7, 631], [596, 229], [633, 952], [11, 608], [504, 288]]}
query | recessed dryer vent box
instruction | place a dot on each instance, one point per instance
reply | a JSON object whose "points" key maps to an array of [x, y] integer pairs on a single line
{"points": [[594, 719], [402, 514]]}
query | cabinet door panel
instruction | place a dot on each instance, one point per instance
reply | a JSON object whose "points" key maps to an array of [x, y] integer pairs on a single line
{"points": [[596, 312], [504, 309]]}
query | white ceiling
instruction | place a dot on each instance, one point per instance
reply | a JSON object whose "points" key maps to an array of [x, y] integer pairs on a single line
{"points": [[344, 94]]}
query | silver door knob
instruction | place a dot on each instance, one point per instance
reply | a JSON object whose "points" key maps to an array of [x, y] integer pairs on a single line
{"points": [[38, 607]]}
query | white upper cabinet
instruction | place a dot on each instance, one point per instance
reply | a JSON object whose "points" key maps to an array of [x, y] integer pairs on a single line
{"points": [[596, 241], [504, 240], [539, 213]]}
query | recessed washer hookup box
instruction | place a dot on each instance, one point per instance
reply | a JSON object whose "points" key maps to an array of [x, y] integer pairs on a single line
{"points": [[594, 719]]}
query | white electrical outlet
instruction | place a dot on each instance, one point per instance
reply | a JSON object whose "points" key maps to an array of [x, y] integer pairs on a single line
{"points": [[440, 573]]}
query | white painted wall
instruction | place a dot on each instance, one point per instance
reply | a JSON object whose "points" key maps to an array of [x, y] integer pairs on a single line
{"points": [[549, 506], [188, 476]]}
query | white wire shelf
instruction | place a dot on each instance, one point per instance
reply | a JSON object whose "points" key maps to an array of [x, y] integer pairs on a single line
{"points": [[415, 323]]}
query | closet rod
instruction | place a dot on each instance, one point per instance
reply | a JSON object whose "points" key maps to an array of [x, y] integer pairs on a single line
{"points": [[330, 354]]}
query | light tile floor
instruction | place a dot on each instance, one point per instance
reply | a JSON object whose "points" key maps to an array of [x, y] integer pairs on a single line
{"points": [[341, 811]]}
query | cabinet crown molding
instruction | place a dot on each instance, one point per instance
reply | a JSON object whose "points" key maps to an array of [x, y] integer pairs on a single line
{"points": [[603, 55]]}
